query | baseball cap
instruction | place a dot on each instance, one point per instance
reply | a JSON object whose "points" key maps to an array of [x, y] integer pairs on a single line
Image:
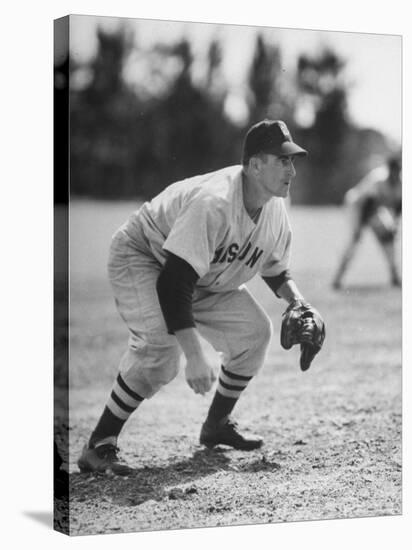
{"points": [[270, 136]]}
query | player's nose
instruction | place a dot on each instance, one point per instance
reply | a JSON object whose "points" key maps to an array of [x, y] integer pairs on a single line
{"points": [[291, 170]]}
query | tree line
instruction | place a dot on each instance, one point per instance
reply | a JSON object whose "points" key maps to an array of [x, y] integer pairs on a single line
{"points": [[131, 141]]}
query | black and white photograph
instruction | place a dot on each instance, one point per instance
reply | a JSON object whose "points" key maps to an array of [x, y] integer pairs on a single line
{"points": [[228, 275]]}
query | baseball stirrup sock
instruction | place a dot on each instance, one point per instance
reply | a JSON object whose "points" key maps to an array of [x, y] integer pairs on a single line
{"points": [[229, 389], [123, 401], [121, 404]]}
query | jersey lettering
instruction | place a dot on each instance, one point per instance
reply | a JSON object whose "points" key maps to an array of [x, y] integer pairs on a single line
{"points": [[231, 253], [223, 258], [254, 257], [244, 253], [217, 255]]}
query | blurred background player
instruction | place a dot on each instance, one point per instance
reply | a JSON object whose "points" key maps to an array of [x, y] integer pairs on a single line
{"points": [[375, 202]]}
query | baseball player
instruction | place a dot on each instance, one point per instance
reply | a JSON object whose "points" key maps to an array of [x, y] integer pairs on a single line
{"points": [[375, 202], [178, 269]]}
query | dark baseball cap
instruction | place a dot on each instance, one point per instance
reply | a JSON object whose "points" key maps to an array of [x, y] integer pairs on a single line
{"points": [[270, 136]]}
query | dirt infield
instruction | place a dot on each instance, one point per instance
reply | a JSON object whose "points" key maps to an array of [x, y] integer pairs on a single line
{"points": [[332, 434]]}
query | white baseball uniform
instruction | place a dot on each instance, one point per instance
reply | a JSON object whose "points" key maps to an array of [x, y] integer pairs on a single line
{"points": [[374, 201], [375, 185], [203, 220]]}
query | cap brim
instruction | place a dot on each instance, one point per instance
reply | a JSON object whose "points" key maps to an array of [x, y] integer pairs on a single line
{"points": [[290, 148]]}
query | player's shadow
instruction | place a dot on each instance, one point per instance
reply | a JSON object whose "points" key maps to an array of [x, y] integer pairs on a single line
{"points": [[175, 481]]}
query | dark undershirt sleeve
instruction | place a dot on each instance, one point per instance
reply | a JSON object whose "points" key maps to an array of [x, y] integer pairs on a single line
{"points": [[274, 283], [175, 286]]}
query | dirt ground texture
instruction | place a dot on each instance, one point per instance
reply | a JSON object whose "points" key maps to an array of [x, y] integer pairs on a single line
{"points": [[332, 434]]}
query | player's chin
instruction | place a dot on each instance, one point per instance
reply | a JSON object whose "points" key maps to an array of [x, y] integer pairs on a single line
{"points": [[282, 191], [286, 189]]}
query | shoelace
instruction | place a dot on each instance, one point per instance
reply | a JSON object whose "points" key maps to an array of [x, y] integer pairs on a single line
{"points": [[232, 424]]}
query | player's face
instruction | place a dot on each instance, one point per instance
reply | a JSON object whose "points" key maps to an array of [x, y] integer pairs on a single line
{"points": [[276, 174]]}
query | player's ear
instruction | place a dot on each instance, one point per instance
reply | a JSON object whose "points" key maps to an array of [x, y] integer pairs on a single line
{"points": [[255, 164]]}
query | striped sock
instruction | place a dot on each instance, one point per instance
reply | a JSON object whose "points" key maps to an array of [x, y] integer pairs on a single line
{"points": [[121, 404], [229, 389]]}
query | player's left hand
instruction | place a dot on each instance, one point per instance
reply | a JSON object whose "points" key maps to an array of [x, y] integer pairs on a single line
{"points": [[302, 324]]}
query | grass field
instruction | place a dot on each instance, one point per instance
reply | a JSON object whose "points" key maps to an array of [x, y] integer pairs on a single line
{"points": [[332, 434]]}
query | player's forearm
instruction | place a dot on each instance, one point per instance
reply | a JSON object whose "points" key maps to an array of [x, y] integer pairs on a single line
{"points": [[289, 291], [189, 340], [284, 286], [175, 286]]}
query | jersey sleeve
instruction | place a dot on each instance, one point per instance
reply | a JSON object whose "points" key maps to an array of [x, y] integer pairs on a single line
{"points": [[278, 260], [196, 232]]}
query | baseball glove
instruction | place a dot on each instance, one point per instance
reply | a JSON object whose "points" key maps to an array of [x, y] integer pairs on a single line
{"points": [[302, 324]]}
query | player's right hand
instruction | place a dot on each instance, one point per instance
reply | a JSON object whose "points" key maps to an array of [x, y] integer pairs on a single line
{"points": [[199, 373]]}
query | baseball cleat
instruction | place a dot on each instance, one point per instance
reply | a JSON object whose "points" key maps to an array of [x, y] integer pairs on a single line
{"points": [[102, 459], [227, 434]]}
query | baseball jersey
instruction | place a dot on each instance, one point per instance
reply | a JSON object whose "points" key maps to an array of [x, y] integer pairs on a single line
{"points": [[203, 220]]}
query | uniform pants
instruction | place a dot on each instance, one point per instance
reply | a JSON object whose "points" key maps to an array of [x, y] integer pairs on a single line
{"points": [[232, 322]]}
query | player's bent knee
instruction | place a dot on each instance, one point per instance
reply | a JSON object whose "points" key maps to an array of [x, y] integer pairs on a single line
{"points": [[151, 363], [263, 332], [248, 350], [259, 345], [154, 378], [258, 340], [147, 377]]}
